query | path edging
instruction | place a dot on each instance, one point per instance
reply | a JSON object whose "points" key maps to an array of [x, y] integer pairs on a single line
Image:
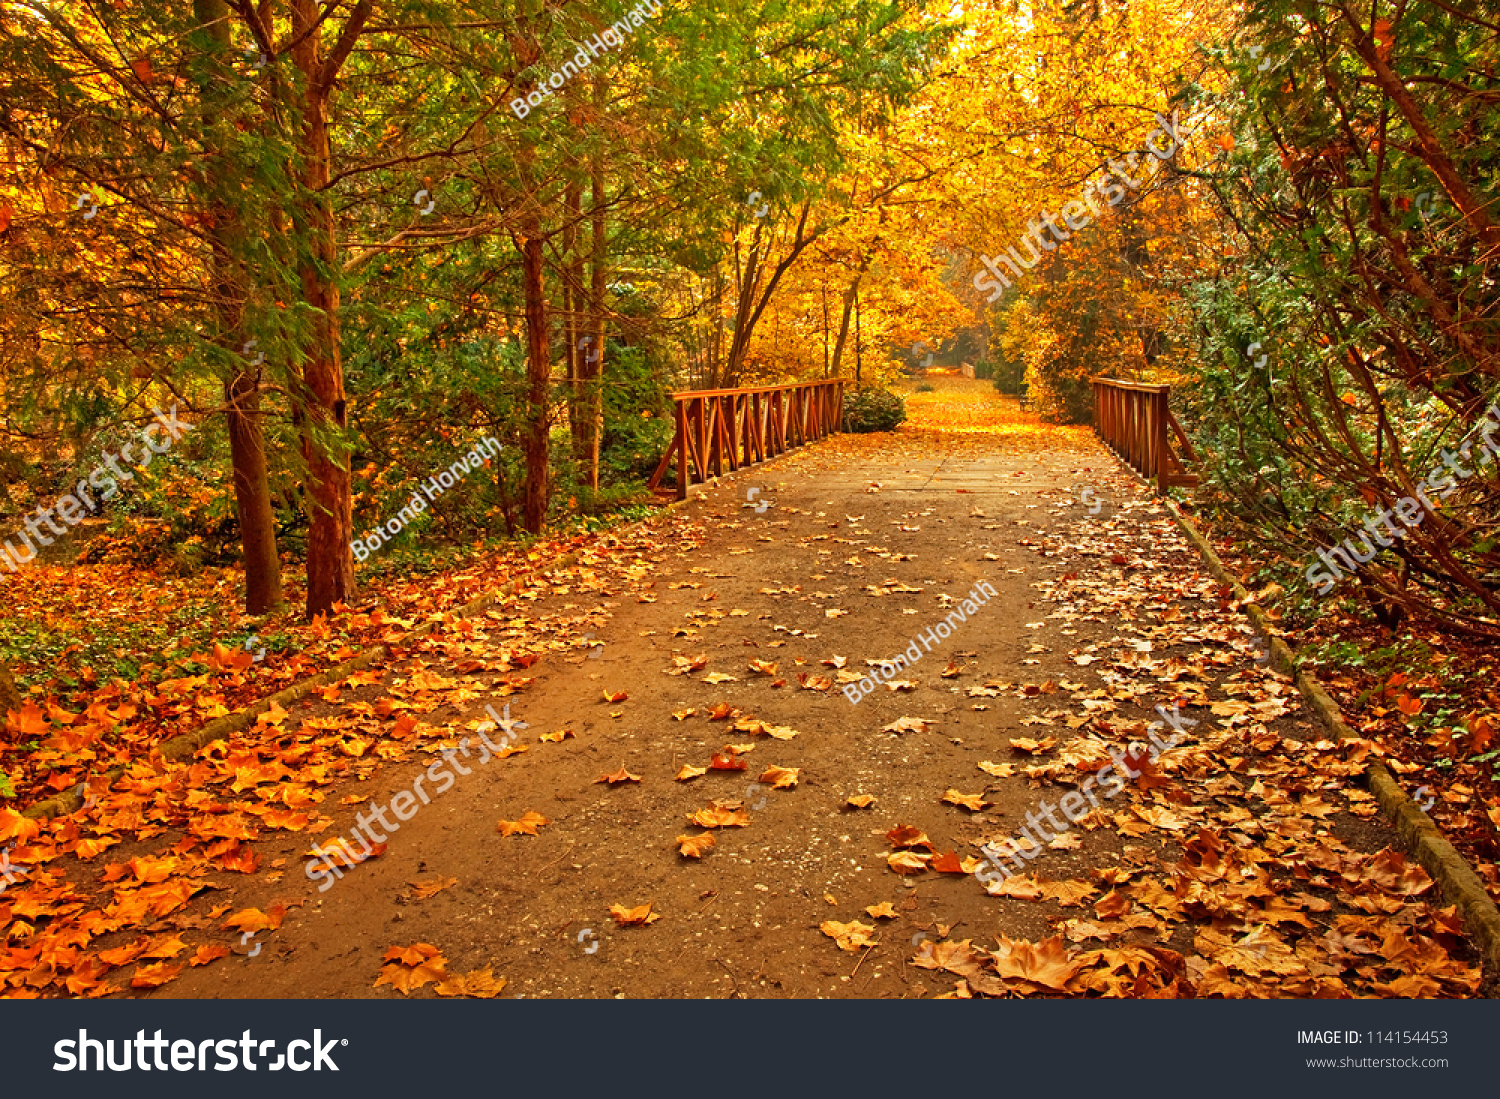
{"points": [[1455, 878]]}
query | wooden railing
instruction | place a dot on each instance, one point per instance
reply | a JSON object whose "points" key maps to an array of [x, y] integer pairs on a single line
{"points": [[719, 429], [1134, 421]]}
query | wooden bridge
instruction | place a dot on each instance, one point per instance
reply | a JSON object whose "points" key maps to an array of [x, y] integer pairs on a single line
{"points": [[1133, 420], [719, 429]]}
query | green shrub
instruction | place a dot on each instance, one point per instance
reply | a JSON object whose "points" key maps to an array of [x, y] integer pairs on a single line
{"points": [[926, 387], [872, 409]]}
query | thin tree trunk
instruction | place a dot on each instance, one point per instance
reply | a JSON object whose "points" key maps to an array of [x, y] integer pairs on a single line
{"points": [[10, 695], [252, 493], [537, 489], [330, 560], [599, 277], [538, 376], [838, 347], [574, 321], [857, 359], [247, 447], [824, 294]]}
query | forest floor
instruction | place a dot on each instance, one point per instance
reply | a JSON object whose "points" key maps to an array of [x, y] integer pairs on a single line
{"points": [[1247, 860]]}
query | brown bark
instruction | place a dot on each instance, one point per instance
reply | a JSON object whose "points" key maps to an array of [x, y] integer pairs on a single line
{"points": [[573, 319], [538, 377], [10, 696], [593, 372], [1429, 147], [330, 560], [848, 314], [537, 489], [252, 493], [247, 447]]}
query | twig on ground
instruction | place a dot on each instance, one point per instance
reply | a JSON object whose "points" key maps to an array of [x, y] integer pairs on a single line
{"points": [[732, 977]]}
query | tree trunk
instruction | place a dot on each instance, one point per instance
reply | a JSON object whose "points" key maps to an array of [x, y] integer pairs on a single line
{"points": [[538, 376], [247, 447], [252, 493], [857, 359], [593, 372], [330, 560], [10, 696], [838, 347], [574, 321]]}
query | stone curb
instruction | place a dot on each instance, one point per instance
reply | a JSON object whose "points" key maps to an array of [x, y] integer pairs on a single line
{"points": [[1455, 878]]}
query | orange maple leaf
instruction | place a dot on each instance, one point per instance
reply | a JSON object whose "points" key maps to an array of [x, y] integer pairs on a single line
{"points": [[639, 916], [618, 777], [528, 824]]}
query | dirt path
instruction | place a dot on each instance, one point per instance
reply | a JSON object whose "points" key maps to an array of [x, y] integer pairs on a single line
{"points": [[1244, 862]]}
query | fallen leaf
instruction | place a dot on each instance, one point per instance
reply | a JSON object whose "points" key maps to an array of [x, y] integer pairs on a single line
{"points": [[907, 862], [209, 953], [1033, 747], [253, 919], [947, 863], [694, 846], [634, 917], [975, 802], [618, 777], [154, 976], [478, 984], [720, 816], [415, 954], [905, 835], [781, 778], [528, 824], [850, 936], [421, 890]]}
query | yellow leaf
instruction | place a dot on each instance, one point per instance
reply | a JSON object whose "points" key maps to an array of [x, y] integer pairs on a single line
{"points": [[634, 917], [528, 824], [694, 846], [850, 936]]}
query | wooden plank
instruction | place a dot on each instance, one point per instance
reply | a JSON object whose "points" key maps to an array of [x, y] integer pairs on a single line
{"points": [[741, 427], [682, 450]]}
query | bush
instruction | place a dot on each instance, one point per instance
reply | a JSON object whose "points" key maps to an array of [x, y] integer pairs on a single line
{"points": [[926, 387], [873, 410]]}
